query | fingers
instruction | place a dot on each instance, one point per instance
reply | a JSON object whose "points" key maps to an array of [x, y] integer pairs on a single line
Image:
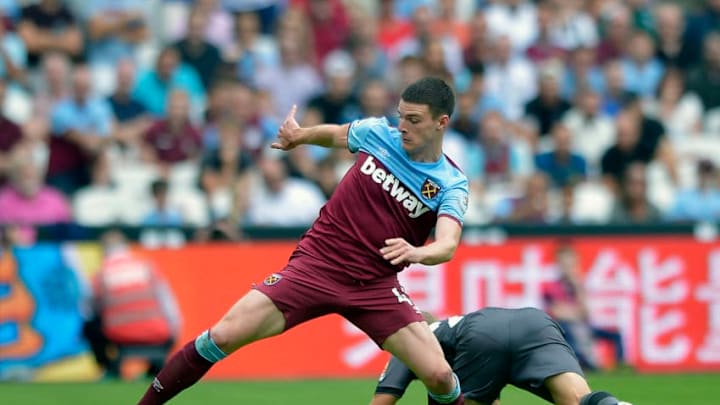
{"points": [[397, 257], [395, 241], [396, 251], [399, 260], [291, 114], [399, 251], [285, 130], [392, 244]]}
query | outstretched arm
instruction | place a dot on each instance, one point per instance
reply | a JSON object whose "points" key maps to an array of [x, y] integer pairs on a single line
{"points": [[441, 250], [291, 134]]}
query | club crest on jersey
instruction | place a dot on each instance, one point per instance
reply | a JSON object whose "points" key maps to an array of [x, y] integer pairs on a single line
{"points": [[391, 185], [430, 189], [272, 279]]}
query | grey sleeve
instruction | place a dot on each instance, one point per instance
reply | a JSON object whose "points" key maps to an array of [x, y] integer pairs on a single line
{"points": [[395, 379]]}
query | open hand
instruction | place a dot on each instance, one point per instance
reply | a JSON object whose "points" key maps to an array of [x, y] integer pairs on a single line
{"points": [[287, 137]]}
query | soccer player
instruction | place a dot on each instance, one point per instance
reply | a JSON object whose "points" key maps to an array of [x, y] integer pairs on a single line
{"points": [[493, 347], [375, 224]]}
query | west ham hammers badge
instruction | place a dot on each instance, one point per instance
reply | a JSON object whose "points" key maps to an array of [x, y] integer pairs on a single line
{"points": [[430, 189]]}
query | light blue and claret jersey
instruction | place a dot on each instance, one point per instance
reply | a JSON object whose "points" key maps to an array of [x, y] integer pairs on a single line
{"points": [[384, 195]]}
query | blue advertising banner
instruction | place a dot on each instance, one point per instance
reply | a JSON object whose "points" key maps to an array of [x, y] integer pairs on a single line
{"points": [[40, 317]]}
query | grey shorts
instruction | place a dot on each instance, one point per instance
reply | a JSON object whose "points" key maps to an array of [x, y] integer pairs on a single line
{"points": [[522, 347]]}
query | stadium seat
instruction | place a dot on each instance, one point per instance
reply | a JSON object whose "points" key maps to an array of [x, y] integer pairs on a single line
{"points": [[172, 11], [133, 176], [712, 121], [495, 193], [687, 173], [134, 205], [18, 105], [661, 190], [184, 174], [191, 203], [95, 207], [699, 146], [593, 202]]}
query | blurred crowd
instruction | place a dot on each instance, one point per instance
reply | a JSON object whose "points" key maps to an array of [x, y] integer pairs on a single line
{"points": [[159, 113]]}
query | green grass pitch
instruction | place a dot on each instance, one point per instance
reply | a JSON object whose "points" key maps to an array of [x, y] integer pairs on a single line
{"points": [[692, 389]]}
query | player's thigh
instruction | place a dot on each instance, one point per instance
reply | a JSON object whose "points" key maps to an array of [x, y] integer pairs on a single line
{"points": [[252, 317], [416, 346], [567, 388], [383, 311]]}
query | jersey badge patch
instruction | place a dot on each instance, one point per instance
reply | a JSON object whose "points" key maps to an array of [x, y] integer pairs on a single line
{"points": [[272, 279], [430, 189]]}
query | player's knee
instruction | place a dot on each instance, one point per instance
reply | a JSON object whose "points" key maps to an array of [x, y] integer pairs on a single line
{"points": [[447, 389], [223, 336], [599, 398], [440, 379]]}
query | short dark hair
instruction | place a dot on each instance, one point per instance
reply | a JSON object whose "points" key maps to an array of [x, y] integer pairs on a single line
{"points": [[476, 69], [159, 186], [630, 99], [433, 92]]}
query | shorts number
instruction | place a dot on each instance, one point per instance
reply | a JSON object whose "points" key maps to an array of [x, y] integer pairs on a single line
{"points": [[401, 297]]}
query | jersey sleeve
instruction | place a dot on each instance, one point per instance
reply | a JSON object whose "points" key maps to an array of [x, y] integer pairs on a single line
{"points": [[395, 379], [455, 203], [360, 130]]}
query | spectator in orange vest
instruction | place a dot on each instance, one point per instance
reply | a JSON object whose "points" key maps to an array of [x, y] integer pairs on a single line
{"points": [[133, 306]]}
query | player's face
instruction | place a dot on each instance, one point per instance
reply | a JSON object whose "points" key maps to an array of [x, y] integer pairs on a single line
{"points": [[417, 125]]}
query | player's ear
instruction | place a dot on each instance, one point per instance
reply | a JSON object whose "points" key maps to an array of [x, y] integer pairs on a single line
{"points": [[443, 122]]}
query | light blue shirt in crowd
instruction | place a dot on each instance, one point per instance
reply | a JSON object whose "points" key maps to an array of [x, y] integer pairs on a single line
{"points": [[93, 116], [167, 217], [152, 93], [476, 162], [111, 49], [16, 51], [696, 205], [10, 8], [595, 79], [642, 80]]}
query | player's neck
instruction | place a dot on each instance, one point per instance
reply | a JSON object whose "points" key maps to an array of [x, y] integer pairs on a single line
{"points": [[426, 155], [431, 153]]}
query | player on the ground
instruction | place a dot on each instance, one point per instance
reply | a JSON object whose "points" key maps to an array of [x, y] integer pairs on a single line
{"points": [[493, 347], [376, 222]]}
